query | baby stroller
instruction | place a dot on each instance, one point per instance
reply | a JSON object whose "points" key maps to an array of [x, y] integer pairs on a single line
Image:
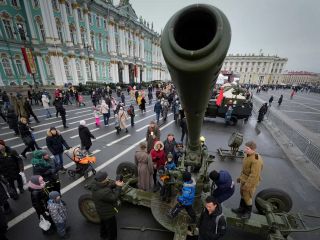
{"points": [[83, 163]]}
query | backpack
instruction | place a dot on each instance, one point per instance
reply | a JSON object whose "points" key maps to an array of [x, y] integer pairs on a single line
{"points": [[129, 111]]}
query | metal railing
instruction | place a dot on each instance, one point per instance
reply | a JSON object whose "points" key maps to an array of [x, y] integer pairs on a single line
{"points": [[309, 148]]}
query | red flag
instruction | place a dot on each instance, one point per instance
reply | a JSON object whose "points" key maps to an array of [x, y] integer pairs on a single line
{"points": [[220, 97]]}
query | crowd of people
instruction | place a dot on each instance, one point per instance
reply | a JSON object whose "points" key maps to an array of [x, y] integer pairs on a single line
{"points": [[156, 161]]}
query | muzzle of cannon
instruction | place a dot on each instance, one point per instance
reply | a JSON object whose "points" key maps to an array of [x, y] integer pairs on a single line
{"points": [[194, 43]]}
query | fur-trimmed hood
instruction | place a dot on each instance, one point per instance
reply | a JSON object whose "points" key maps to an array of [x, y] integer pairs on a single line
{"points": [[155, 145], [49, 134]]}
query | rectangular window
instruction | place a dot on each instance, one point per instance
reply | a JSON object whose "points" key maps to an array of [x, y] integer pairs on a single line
{"points": [[8, 28], [83, 37], [7, 67], [80, 14], [20, 68], [90, 18], [60, 33], [98, 21]]}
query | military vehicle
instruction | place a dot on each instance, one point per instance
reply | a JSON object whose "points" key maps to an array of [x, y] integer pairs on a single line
{"points": [[242, 107], [195, 42]]}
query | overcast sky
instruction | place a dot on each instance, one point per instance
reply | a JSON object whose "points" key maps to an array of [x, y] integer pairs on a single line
{"points": [[288, 28]]}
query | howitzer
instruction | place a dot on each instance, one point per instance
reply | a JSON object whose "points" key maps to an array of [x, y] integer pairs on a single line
{"points": [[194, 43]]}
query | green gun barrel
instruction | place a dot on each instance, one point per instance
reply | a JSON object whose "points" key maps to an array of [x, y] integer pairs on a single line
{"points": [[194, 43]]}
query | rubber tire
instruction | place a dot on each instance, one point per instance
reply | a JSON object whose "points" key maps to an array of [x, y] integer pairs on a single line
{"points": [[278, 197], [127, 166], [83, 200]]}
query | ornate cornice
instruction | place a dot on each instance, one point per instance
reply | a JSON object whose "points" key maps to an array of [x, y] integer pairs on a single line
{"points": [[62, 1], [85, 11], [55, 54], [75, 5]]}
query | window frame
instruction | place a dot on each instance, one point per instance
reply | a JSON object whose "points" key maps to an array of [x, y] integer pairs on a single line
{"points": [[7, 67]]}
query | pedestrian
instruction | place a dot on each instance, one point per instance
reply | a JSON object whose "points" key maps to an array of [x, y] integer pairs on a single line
{"points": [[249, 179], [292, 94], [229, 112], [158, 158], [178, 152], [81, 100], [117, 124], [175, 109], [41, 165], [12, 120], [10, 167], [186, 198], [150, 97], [60, 109], [280, 100], [184, 129], [222, 187], [145, 168], [28, 108], [26, 136], [96, 116], [212, 224], [94, 98], [158, 109], [152, 136], [131, 113], [122, 115], [105, 195], [262, 111], [57, 103], [165, 109], [85, 136], [270, 100], [58, 212], [113, 105], [104, 109], [169, 144], [123, 98], [45, 102], [56, 143], [39, 199], [143, 105]]}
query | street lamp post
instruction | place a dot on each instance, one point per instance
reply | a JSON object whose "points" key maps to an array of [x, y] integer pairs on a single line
{"points": [[86, 46]]}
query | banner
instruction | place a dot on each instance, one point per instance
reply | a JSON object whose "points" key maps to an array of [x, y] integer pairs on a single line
{"points": [[28, 59]]}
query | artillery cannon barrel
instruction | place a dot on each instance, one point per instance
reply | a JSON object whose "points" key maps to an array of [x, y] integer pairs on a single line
{"points": [[194, 44]]}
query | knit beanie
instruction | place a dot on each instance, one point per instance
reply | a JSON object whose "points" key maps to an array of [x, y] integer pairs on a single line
{"points": [[101, 176], [83, 122], [53, 195], [170, 155]]}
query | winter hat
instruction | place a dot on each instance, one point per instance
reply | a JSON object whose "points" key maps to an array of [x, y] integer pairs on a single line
{"points": [[186, 176], [214, 175], [2, 142], [83, 122], [101, 176], [53, 195], [170, 155], [53, 128], [36, 182]]}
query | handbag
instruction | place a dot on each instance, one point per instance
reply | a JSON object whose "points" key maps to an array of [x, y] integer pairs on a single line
{"points": [[27, 140], [44, 224]]}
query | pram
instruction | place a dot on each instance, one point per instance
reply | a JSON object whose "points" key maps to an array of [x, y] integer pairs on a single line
{"points": [[83, 163]]}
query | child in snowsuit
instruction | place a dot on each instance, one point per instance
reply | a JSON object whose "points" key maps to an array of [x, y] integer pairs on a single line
{"points": [[185, 200], [166, 179], [58, 212]]}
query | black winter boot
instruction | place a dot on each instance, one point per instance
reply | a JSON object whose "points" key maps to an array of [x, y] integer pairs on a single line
{"points": [[247, 212], [240, 209]]}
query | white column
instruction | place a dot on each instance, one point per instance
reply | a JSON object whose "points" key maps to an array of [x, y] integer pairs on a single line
{"points": [[116, 70], [84, 69], [74, 73], [86, 19], [75, 8], [126, 73], [30, 21], [127, 42], [58, 71], [142, 49], [136, 39], [144, 74], [46, 24], [66, 22], [93, 70], [52, 21], [41, 70]]}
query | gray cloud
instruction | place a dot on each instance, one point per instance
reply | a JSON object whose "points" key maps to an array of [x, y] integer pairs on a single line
{"points": [[288, 28]]}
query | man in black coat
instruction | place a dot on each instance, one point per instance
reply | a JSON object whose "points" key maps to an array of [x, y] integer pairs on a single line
{"points": [[55, 143], [12, 120], [85, 136], [27, 106], [60, 109], [10, 167], [212, 224]]}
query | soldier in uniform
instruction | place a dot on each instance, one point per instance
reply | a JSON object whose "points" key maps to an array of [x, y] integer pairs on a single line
{"points": [[249, 179]]}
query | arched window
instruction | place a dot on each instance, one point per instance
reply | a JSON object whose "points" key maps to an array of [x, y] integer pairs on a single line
{"points": [[7, 24], [73, 34], [41, 28], [49, 66], [35, 3], [78, 69], [66, 67], [20, 67], [7, 67], [68, 9]]}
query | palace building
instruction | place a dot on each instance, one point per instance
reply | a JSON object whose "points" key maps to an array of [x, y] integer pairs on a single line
{"points": [[54, 42], [255, 69]]}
